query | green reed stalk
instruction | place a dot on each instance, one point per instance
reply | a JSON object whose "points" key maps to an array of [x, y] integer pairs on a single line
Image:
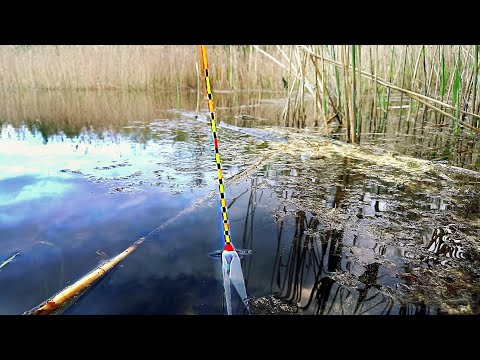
{"points": [[354, 90], [317, 108], [346, 91], [426, 82], [324, 87], [376, 87], [453, 72], [475, 80], [436, 68], [337, 81], [444, 74], [372, 70], [359, 94], [443, 85], [390, 77], [456, 94], [402, 85], [302, 63]]}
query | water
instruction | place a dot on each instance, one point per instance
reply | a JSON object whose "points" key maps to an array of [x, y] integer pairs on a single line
{"points": [[331, 230]]}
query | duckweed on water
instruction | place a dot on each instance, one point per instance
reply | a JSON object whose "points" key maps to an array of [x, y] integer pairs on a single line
{"points": [[403, 231]]}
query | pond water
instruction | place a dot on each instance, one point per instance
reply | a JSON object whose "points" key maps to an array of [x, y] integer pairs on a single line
{"points": [[332, 229]]}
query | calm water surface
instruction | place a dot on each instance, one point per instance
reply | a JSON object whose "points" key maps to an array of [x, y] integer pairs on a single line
{"points": [[83, 176]]}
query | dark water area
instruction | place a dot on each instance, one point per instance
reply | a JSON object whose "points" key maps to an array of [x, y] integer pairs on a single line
{"points": [[331, 229]]}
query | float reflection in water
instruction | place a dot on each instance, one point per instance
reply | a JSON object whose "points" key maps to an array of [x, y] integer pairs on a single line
{"points": [[233, 276]]}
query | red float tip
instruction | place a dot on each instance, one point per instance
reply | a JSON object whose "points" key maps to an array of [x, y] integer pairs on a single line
{"points": [[228, 247]]}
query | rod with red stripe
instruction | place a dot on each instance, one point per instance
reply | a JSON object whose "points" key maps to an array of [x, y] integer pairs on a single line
{"points": [[213, 125]]}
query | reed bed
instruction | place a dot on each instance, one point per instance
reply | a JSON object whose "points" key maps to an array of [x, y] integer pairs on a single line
{"points": [[349, 84], [132, 67], [351, 89]]}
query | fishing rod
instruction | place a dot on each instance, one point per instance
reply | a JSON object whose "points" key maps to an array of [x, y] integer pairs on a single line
{"points": [[231, 267], [72, 292]]}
